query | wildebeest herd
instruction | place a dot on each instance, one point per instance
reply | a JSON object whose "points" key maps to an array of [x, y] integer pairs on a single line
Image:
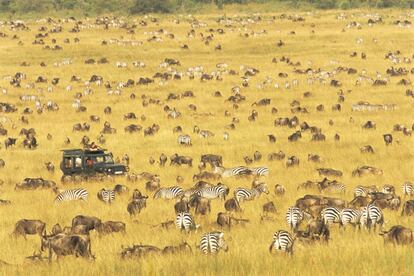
{"points": [[247, 134]]}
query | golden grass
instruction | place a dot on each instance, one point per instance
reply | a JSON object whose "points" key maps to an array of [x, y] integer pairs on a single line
{"points": [[348, 253]]}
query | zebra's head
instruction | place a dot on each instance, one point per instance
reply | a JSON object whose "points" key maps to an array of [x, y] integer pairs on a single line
{"points": [[263, 188]]}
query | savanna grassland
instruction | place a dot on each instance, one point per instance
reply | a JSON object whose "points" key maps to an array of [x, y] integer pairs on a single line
{"points": [[321, 41]]}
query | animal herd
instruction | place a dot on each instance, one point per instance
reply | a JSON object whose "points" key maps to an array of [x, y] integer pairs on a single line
{"points": [[210, 135]]}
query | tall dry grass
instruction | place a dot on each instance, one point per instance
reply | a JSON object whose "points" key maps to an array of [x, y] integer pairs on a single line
{"points": [[348, 253]]}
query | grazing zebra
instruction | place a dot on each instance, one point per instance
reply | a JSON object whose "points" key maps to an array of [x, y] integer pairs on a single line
{"points": [[331, 215], [75, 194], [371, 216], [294, 217], [242, 194], [184, 221], [236, 171], [350, 216], [106, 196], [260, 171], [184, 140], [282, 241], [408, 189], [212, 242], [218, 191], [169, 193]]}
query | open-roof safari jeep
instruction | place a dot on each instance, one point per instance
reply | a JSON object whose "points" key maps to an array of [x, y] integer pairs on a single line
{"points": [[78, 164]]}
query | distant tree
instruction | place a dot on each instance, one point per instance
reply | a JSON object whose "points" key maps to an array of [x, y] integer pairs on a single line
{"points": [[150, 6]]}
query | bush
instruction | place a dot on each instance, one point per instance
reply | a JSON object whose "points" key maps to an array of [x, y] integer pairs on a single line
{"points": [[344, 5]]}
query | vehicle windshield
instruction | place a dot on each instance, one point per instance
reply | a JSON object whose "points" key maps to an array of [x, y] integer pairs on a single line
{"points": [[108, 159]]}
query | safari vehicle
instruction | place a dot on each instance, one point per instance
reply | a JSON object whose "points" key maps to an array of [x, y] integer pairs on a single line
{"points": [[90, 163]]}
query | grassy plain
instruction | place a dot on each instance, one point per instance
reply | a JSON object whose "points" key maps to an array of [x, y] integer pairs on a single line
{"points": [[348, 253]]}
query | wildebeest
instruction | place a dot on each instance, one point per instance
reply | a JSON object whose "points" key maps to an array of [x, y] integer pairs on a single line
{"points": [[398, 235], [201, 204], [364, 170], [29, 227], [180, 160], [212, 159], [387, 139], [136, 205], [232, 205], [108, 227], [10, 142], [226, 220], [63, 245], [89, 221], [329, 172], [408, 208], [269, 207], [181, 248], [139, 251]]}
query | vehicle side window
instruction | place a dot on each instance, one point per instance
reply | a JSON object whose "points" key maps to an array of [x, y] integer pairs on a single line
{"points": [[78, 162], [99, 159], [68, 162]]}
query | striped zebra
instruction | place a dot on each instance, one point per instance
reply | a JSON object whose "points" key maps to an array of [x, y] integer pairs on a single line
{"points": [[106, 196], [74, 194], [185, 222], [212, 242], [282, 241], [184, 140], [242, 194], [371, 216], [213, 192], [294, 217], [350, 216], [407, 189], [260, 171], [364, 190], [236, 171], [331, 215], [169, 192]]}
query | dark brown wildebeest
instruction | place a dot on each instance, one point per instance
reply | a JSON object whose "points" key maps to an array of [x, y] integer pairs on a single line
{"points": [[279, 190], [269, 207], [139, 251], [295, 136], [79, 230], [276, 156], [292, 161], [359, 201], [107, 110], [50, 167], [335, 202], [132, 128], [408, 208], [367, 149], [90, 222], [225, 220], [121, 189], [257, 156], [2, 163], [29, 227], [329, 172], [314, 158], [207, 176], [163, 159], [10, 142], [34, 183], [364, 170], [136, 205], [181, 248], [182, 206], [152, 185], [318, 137], [63, 245], [56, 229], [232, 205], [272, 138], [369, 125], [180, 160], [212, 159], [387, 139], [308, 201], [109, 227], [398, 235], [201, 204], [318, 230]]}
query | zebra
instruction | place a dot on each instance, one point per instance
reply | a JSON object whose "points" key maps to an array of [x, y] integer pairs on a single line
{"points": [[106, 196], [236, 171], [260, 171], [407, 189], [364, 190], [241, 194], [294, 217], [331, 215], [74, 194], [212, 242], [371, 216], [185, 222], [350, 216], [169, 192], [218, 191], [282, 241], [184, 140]]}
